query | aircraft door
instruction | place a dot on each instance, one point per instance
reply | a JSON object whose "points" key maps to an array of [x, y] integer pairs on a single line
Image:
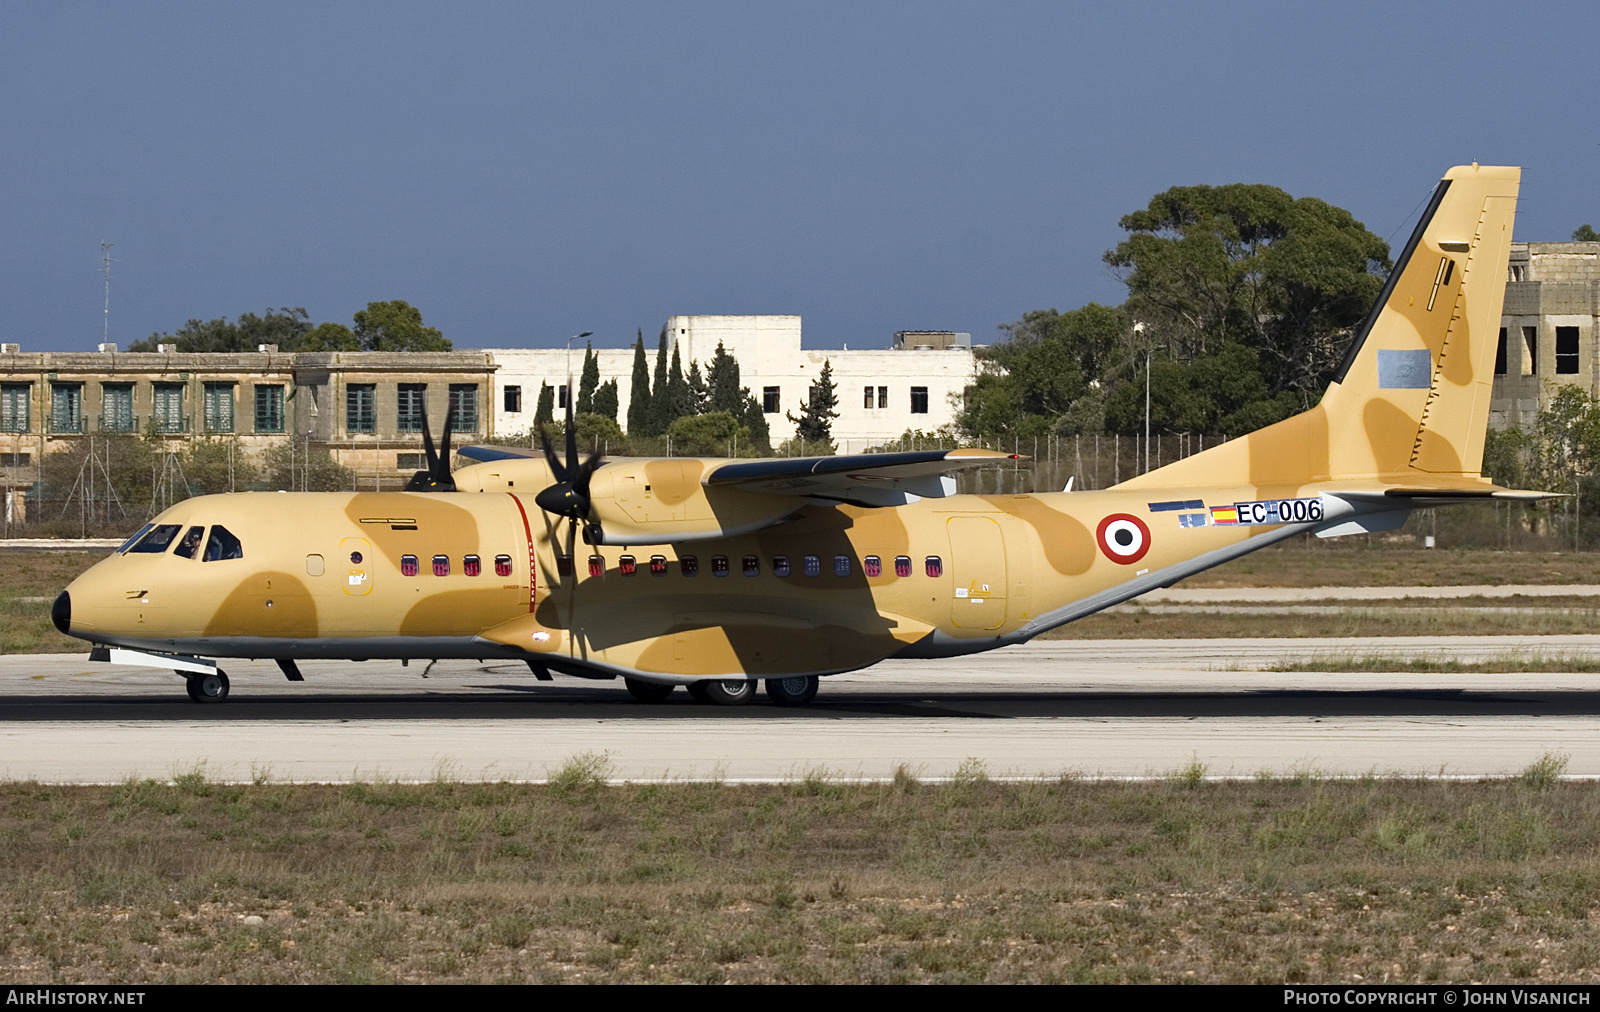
{"points": [[356, 563], [978, 573]]}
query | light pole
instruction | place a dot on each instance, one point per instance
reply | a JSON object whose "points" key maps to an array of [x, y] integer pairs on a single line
{"points": [[574, 337], [1138, 328]]}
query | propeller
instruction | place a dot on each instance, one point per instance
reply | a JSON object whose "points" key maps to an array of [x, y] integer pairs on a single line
{"points": [[569, 496], [437, 477]]}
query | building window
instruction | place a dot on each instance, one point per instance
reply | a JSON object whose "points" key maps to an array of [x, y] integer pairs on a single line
{"points": [[561, 397], [14, 407], [168, 405], [1500, 355], [410, 461], [919, 400], [883, 397], [1566, 351], [513, 399], [769, 400], [16, 460], [66, 407], [219, 407], [464, 401], [1530, 353], [269, 408], [867, 400], [411, 406], [116, 407], [361, 407]]}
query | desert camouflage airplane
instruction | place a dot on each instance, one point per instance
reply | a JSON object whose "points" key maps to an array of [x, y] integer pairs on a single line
{"points": [[716, 573]]}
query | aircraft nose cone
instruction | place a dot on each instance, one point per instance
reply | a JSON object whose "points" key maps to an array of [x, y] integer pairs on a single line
{"points": [[61, 611]]}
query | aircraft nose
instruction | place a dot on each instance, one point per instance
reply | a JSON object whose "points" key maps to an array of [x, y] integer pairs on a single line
{"points": [[61, 611]]}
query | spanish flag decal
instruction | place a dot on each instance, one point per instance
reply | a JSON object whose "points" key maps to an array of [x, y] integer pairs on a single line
{"points": [[1225, 514]]}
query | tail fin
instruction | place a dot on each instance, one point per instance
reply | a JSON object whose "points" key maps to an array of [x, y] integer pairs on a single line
{"points": [[1410, 403]]}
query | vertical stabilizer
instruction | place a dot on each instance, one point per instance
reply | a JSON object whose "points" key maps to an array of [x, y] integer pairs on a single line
{"points": [[1410, 403]]}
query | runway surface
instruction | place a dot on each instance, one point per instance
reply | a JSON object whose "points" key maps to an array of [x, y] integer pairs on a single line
{"points": [[1097, 708]]}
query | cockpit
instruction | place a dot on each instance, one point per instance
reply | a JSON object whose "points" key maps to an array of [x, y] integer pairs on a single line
{"points": [[156, 539]]}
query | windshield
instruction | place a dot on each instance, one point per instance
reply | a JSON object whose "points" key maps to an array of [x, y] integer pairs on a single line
{"points": [[141, 532], [157, 540]]}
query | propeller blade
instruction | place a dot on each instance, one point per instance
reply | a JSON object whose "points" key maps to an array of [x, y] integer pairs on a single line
{"points": [[440, 471], [436, 478], [572, 434], [431, 457]]}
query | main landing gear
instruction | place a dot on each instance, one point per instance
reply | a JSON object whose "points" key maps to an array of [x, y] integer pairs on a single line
{"points": [[726, 692], [797, 690], [211, 687]]}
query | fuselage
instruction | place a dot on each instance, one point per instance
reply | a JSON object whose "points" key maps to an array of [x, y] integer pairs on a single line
{"points": [[433, 575]]}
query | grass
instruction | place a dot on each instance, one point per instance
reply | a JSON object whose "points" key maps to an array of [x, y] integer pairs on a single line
{"points": [[33, 579], [1307, 562], [1179, 878], [1511, 661], [1360, 620]]}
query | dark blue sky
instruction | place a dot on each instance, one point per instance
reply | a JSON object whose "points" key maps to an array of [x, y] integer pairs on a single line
{"points": [[522, 172]]}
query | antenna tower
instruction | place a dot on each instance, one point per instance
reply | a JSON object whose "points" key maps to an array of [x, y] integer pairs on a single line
{"points": [[105, 265]]}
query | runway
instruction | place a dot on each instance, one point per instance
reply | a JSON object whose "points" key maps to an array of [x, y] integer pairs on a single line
{"points": [[1124, 708]]}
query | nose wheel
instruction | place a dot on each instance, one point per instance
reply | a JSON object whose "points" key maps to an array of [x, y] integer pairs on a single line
{"points": [[207, 688]]}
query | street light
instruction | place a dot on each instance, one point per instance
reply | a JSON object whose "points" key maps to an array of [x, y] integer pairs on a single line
{"points": [[1138, 328]]}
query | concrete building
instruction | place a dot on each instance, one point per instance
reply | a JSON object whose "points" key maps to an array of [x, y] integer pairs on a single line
{"points": [[1548, 330], [916, 383]]}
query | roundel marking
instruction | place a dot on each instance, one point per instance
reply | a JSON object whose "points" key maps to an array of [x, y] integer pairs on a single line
{"points": [[1124, 538]]}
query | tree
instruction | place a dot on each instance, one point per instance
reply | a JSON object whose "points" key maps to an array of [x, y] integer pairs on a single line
{"points": [[1051, 375], [544, 412], [605, 400], [1207, 266], [696, 395], [284, 327], [293, 465], [815, 424], [328, 337], [722, 382], [396, 326], [590, 380], [678, 389], [639, 392], [660, 394], [1585, 233], [713, 434]]}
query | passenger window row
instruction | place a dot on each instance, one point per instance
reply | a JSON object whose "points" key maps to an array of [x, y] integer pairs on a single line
{"points": [[750, 565], [471, 565]]}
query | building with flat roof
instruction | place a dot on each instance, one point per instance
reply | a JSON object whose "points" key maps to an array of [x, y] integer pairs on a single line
{"points": [[1548, 328]]}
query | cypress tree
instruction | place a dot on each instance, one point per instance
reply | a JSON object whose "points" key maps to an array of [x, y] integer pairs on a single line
{"points": [[639, 392], [678, 389], [605, 399], [815, 424], [723, 380], [697, 398], [545, 412], [590, 380]]}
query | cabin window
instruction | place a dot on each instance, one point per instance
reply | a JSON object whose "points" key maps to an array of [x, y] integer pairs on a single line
{"points": [[625, 565], [563, 565], [841, 565], [752, 565], [597, 566], [658, 565], [502, 565], [408, 565], [935, 566], [811, 565], [689, 565], [441, 565], [902, 565], [471, 565], [719, 565], [141, 532], [223, 545], [872, 565], [158, 540], [780, 565], [190, 543]]}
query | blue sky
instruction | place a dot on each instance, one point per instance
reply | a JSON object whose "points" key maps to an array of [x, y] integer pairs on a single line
{"points": [[522, 172]]}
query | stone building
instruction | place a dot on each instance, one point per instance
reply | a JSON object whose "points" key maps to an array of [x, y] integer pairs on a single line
{"points": [[1548, 330]]}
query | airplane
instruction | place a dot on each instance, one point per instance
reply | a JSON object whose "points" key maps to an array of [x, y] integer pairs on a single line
{"points": [[717, 574]]}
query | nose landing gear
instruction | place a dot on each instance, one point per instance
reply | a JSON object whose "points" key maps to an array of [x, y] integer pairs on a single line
{"points": [[211, 687]]}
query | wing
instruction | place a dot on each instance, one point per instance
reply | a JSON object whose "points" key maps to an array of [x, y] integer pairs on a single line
{"points": [[862, 479]]}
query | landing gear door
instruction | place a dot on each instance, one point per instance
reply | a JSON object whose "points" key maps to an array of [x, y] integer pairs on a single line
{"points": [[978, 573], [355, 561]]}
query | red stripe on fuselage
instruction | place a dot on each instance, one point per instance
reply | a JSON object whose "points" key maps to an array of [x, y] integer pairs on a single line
{"points": [[533, 564]]}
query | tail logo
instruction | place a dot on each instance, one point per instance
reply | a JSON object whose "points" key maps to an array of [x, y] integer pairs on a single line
{"points": [[1123, 538]]}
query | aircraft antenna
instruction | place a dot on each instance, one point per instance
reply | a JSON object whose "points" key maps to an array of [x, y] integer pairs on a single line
{"points": [[105, 266]]}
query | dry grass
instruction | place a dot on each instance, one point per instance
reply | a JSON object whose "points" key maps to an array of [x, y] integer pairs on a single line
{"points": [[33, 579], [1306, 562], [1511, 661], [1294, 879], [1364, 620]]}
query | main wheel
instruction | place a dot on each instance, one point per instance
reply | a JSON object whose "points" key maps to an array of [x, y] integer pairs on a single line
{"points": [[647, 692], [723, 692], [796, 690], [211, 688]]}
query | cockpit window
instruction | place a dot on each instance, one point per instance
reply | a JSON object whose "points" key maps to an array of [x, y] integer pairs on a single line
{"points": [[223, 545], [141, 532], [190, 543], [158, 540]]}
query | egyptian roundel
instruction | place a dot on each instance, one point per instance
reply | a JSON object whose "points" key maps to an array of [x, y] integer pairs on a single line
{"points": [[1123, 538]]}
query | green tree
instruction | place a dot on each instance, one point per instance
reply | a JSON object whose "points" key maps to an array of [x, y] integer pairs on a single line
{"points": [[678, 388], [544, 412], [284, 327], [605, 400], [589, 381], [722, 382], [660, 393], [1207, 266], [1585, 233], [293, 466], [639, 392], [815, 424], [697, 397], [328, 337], [396, 326], [713, 434]]}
